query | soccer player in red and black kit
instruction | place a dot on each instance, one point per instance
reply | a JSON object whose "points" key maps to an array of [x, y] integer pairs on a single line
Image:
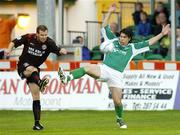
{"points": [[36, 49]]}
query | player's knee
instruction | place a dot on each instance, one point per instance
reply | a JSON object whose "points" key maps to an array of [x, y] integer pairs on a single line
{"points": [[88, 68], [31, 69]]}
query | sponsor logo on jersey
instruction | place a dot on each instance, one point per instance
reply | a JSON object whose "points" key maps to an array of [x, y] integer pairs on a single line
{"points": [[120, 51], [44, 47], [31, 43]]}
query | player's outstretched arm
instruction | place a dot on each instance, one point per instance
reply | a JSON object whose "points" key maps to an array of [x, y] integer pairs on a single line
{"points": [[110, 11], [63, 51], [164, 32], [9, 49]]}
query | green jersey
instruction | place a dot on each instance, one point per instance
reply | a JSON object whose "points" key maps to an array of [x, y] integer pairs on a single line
{"points": [[120, 57]]}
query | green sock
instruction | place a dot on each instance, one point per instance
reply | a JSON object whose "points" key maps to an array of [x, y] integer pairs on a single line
{"points": [[119, 110], [77, 73]]}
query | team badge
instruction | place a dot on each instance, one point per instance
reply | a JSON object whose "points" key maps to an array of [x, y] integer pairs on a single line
{"points": [[44, 47]]}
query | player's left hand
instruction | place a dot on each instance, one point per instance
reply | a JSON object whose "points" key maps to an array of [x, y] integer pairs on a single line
{"points": [[63, 51]]}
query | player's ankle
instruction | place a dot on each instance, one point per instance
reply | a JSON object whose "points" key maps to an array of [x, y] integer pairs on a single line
{"points": [[36, 122]]}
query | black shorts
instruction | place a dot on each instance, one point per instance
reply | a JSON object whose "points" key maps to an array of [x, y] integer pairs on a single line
{"points": [[22, 67]]}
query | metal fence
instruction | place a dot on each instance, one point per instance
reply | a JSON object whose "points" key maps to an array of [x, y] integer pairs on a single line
{"points": [[74, 34], [93, 33]]}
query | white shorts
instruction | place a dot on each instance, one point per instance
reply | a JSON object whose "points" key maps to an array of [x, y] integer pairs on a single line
{"points": [[111, 76]]}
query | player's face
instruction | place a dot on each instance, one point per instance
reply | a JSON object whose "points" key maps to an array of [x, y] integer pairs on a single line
{"points": [[42, 36], [124, 39]]}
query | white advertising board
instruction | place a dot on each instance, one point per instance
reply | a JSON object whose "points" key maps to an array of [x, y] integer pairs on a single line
{"points": [[149, 90], [84, 93], [143, 90]]}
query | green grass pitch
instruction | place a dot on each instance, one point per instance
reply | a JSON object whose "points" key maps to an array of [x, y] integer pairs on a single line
{"points": [[91, 123]]}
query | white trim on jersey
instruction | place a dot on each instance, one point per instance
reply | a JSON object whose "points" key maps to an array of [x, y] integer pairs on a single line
{"points": [[107, 45], [138, 51]]}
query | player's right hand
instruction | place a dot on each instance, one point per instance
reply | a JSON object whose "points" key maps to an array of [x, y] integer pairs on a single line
{"points": [[7, 52]]}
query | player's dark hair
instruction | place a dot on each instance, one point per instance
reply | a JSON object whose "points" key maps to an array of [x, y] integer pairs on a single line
{"points": [[127, 31], [41, 28]]}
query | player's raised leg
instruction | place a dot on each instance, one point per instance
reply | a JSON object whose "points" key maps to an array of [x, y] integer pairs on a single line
{"points": [[92, 70], [32, 75]]}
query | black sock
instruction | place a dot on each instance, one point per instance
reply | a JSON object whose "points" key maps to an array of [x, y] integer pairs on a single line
{"points": [[35, 77], [36, 111]]}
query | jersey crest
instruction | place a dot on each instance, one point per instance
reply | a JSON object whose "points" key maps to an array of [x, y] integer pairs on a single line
{"points": [[44, 47]]}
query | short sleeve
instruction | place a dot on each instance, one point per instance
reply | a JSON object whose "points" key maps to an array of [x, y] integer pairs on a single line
{"points": [[54, 48], [142, 44], [140, 47]]}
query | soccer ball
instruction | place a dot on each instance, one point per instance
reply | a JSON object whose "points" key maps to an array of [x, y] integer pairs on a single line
{"points": [[107, 47]]}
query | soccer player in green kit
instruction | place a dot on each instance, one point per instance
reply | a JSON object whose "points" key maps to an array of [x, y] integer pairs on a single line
{"points": [[118, 53]]}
